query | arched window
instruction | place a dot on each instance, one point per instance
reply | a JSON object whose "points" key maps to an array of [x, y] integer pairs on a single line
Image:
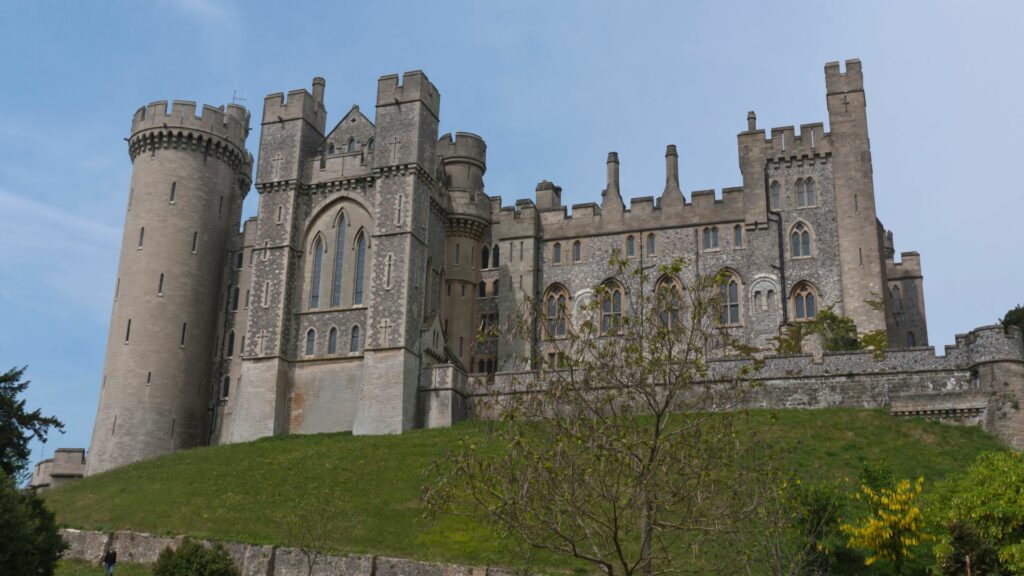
{"points": [[630, 246], [339, 260], [485, 257], [555, 311], [496, 256], [481, 366], [332, 341], [669, 301], [737, 236], [775, 196], [353, 343], [611, 308], [318, 263], [225, 387], [576, 251], [357, 294], [897, 299], [911, 340], [805, 302], [651, 245], [482, 289], [231, 344], [730, 301], [805, 192], [800, 241], [371, 144], [234, 298], [310, 342], [490, 366], [352, 145], [556, 253], [331, 149], [494, 286], [711, 238]]}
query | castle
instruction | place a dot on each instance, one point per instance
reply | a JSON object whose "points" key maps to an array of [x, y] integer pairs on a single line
{"points": [[353, 299]]}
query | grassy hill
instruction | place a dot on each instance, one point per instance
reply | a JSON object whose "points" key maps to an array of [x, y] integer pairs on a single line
{"points": [[369, 487]]}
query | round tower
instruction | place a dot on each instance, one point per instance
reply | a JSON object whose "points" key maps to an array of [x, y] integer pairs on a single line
{"points": [[189, 176], [464, 159]]}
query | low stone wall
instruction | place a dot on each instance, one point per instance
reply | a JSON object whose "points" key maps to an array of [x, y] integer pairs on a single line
{"points": [[258, 560]]}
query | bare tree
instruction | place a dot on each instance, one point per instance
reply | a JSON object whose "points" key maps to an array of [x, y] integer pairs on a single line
{"points": [[619, 445]]}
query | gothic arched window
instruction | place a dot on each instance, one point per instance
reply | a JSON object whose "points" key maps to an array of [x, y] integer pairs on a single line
{"points": [[353, 344], [339, 260], [556, 253], [371, 144], [225, 387], [897, 299], [804, 193], [577, 254], [234, 298], [485, 257], [496, 257], [310, 342], [630, 246], [555, 311], [711, 238], [331, 149], [669, 301], [775, 196], [911, 340], [800, 240], [318, 263], [230, 345], [352, 145], [357, 294], [332, 341], [651, 244], [611, 308], [482, 289], [481, 366], [805, 302], [730, 293], [737, 236]]}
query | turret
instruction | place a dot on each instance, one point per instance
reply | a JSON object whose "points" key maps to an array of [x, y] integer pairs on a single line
{"points": [[190, 174], [611, 198], [672, 196]]}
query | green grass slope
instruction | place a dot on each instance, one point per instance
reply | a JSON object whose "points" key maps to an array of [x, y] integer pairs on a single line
{"points": [[369, 487]]}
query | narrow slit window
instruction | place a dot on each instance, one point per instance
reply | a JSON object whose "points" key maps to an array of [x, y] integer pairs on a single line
{"points": [[142, 236], [230, 347], [577, 254], [174, 186], [160, 286], [318, 260], [184, 332], [630, 246], [339, 261], [332, 341], [234, 298], [128, 331], [353, 345], [195, 241], [651, 245], [556, 253], [310, 342], [357, 296], [737, 235], [225, 387]]}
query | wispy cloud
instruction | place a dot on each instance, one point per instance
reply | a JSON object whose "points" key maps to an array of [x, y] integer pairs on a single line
{"points": [[26, 215]]}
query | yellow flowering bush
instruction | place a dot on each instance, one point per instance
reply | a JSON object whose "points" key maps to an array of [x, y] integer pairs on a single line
{"points": [[894, 526]]}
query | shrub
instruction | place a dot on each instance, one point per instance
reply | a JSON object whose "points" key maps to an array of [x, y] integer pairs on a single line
{"points": [[193, 559], [29, 541]]}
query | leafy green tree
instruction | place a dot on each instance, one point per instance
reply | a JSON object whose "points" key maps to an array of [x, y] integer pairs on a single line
{"points": [[838, 333], [1014, 317], [18, 426], [617, 453], [800, 522], [194, 559], [983, 511], [30, 544]]}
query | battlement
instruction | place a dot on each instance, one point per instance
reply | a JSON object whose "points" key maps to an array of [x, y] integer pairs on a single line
{"points": [[786, 143], [231, 125], [909, 266], [299, 105], [463, 147], [415, 87], [837, 82]]}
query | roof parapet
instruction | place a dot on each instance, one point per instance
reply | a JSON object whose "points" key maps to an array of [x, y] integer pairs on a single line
{"points": [[837, 82], [232, 126], [415, 87]]}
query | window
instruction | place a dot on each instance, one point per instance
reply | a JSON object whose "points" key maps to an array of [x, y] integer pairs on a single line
{"points": [[230, 347], [481, 366], [266, 250], [352, 144], [496, 256], [234, 298], [611, 308], [482, 289], [576, 252], [897, 299], [241, 347], [737, 236], [730, 302], [804, 302], [160, 286], [184, 329], [371, 144], [310, 342], [331, 149], [128, 331], [239, 260], [225, 387], [555, 311], [630, 246], [266, 294], [195, 241], [457, 250], [357, 296], [711, 238], [669, 299], [280, 214], [353, 345], [142, 236], [332, 341], [246, 297], [339, 261], [485, 257], [651, 245], [804, 193], [318, 263], [174, 186], [911, 340], [556, 253], [800, 241], [775, 196]]}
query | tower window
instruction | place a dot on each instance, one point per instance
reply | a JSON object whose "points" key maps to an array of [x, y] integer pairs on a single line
{"points": [[353, 345], [576, 251], [485, 257], [128, 331], [496, 257], [149, 378], [174, 186], [234, 298], [494, 286], [556, 253], [339, 261], [482, 289], [775, 196], [711, 238], [239, 260], [805, 193], [310, 342], [195, 241], [184, 331], [911, 340], [730, 302], [897, 299], [160, 286], [225, 387], [804, 302], [800, 241], [371, 144], [220, 206], [651, 245], [230, 348], [357, 297], [555, 312], [737, 236], [630, 246], [332, 341], [457, 247], [142, 236], [352, 145], [266, 294], [611, 309], [318, 261]]}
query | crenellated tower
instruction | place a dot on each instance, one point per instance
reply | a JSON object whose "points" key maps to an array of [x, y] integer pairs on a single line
{"points": [[189, 176]]}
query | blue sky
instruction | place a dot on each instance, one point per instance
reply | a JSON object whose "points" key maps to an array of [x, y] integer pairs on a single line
{"points": [[551, 85]]}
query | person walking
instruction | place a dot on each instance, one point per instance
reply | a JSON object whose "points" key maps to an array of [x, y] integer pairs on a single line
{"points": [[109, 560]]}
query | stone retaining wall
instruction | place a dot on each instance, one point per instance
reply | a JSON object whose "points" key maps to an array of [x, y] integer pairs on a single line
{"points": [[259, 560]]}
